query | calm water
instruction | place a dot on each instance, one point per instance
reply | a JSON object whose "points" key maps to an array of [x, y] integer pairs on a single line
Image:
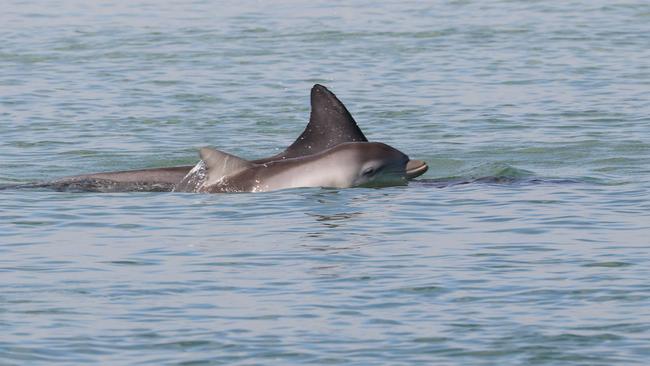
{"points": [[544, 263]]}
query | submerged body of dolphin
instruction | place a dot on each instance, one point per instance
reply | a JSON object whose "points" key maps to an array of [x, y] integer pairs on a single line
{"points": [[350, 164], [330, 124]]}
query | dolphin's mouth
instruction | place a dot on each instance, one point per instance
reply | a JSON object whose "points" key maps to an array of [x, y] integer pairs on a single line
{"points": [[415, 168]]}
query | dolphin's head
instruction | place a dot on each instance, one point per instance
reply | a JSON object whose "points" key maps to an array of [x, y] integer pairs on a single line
{"points": [[349, 164], [372, 164]]}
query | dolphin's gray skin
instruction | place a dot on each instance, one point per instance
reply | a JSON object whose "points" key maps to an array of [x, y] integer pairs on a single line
{"points": [[146, 180], [350, 164]]}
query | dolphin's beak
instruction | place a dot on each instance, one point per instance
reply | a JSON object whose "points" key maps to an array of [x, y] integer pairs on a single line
{"points": [[415, 168]]}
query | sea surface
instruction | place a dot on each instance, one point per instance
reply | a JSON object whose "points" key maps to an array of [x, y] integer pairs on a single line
{"points": [[526, 243]]}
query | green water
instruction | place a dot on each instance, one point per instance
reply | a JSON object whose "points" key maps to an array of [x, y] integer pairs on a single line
{"points": [[526, 242]]}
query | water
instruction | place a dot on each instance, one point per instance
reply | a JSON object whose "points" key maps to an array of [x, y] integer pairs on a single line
{"points": [[542, 258]]}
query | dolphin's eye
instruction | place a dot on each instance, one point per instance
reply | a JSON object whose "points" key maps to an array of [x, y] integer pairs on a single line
{"points": [[369, 171]]}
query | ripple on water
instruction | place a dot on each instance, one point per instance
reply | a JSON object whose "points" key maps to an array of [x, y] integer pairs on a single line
{"points": [[524, 243]]}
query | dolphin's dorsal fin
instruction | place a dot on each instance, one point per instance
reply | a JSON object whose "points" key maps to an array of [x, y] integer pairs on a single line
{"points": [[330, 124], [220, 164]]}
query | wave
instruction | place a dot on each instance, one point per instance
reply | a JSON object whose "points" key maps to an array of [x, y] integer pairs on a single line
{"points": [[492, 173]]}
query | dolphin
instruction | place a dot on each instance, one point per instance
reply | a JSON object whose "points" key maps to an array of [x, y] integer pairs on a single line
{"points": [[349, 164], [330, 123]]}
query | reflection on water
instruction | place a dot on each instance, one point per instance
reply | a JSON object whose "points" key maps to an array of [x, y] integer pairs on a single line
{"points": [[332, 221]]}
